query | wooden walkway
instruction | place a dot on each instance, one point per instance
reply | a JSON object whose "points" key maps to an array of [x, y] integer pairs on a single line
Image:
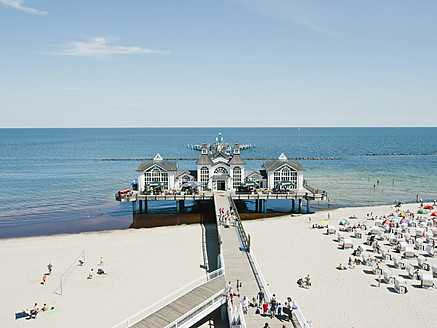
{"points": [[182, 305], [237, 266]]}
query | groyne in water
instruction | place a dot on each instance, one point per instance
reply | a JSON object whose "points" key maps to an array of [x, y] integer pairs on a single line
{"points": [[246, 159], [402, 154]]}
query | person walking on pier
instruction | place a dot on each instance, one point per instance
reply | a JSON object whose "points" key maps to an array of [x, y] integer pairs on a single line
{"points": [[261, 297], [273, 305]]}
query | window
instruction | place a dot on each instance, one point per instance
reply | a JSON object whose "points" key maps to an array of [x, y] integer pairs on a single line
{"points": [[220, 170], [204, 176], [286, 174], [156, 175], [236, 176]]}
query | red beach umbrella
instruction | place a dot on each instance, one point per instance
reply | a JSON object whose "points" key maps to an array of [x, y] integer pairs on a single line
{"points": [[428, 207], [434, 214]]}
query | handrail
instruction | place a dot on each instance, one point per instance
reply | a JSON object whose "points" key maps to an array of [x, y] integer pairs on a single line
{"points": [[170, 298], [186, 317], [245, 239], [313, 190]]}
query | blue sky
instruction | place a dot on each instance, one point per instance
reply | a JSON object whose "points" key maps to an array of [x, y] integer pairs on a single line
{"points": [[218, 63]]}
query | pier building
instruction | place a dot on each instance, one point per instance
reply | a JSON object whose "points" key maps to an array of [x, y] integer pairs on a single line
{"points": [[219, 169]]}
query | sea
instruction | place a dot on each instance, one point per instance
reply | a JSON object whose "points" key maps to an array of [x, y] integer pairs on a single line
{"points": [[55, 181]]}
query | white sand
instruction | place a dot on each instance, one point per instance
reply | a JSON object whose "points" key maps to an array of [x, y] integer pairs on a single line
{"points": [[287, 249], [142, 267]]}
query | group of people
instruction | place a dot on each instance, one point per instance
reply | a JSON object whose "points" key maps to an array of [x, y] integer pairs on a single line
{"points": [[227, 218], [274, 307], [100, 271], [304, 282], [35, 310]]}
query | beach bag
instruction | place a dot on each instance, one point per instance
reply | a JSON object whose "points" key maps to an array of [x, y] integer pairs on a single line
{"points": [[294, 306], [257, 311]]}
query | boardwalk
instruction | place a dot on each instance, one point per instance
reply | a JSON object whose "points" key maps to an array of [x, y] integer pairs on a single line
{"points": [[182, 305], [237, 266]]}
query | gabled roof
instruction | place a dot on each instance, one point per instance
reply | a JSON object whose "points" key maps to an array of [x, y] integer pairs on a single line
{"points": [[162, 163], [248, 173], [193, 173], [204, 160], [277, 163], [237, 160], [219, 154]]}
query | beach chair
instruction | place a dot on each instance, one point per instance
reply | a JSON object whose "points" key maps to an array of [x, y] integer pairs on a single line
{"points": [[374, 246], [380, 234], [365, 256], [429, 236], [398, 230], [341, 235], [397, 261], [427, 280], [408, 238], [421, 261], [387, 274], [358, 233], [374, 230], [347, 243], [419, 232], [330, 230], [375, 267], [409, 251], [418, 243], [423, 224], [400, 285], [434, 269], [386, 227], [430, 250], [393, 240], [384, 251], [360, 250], [404, 226], [434, 231], [410, 270], [378, 223], [402, 246]]}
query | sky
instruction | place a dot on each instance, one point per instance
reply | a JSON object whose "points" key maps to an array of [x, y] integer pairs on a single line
{"points": [[225, 63]]}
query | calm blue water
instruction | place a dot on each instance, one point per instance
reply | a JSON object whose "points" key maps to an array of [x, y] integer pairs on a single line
{"points": [[54, 181]]}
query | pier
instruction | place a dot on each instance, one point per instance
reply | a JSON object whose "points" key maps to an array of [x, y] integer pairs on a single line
{"points": [[200, 298]]}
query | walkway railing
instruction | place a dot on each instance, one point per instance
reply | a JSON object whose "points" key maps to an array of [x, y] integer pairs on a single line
{"points": [[236, 315], [244, 237], [313, 190], [170, 298], [303, 323]]}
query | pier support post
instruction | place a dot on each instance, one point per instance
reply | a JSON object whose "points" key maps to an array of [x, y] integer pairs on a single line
{"points": [[308, 206], [134, 205], [264, 205], [256, 205], [300, 206], [181, 206], [292, 205], [140, 206], [145, 206]]}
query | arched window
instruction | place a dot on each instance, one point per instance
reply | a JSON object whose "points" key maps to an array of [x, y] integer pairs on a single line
{"points": [[156, 175], [286, 174], [220, 170], [204, 176], [236, 176]]}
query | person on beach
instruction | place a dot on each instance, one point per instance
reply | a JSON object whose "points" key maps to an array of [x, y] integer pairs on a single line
{"points": [[101, 261], [245, 304], [261, 297], [307, 281], [50, 267], [44, 277], [273, 305], [265, 307], [90, 275], [288, 308], [100, 271], [279, 309], [44, 308], [34, 311], [238, 287]]}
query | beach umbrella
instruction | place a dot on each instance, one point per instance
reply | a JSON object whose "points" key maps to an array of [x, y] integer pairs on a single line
{"points": [[423, 212], [403, 220], [344, 222], [403, 214], [386, 221], [191, 184], [434, 214], [428, 207]]}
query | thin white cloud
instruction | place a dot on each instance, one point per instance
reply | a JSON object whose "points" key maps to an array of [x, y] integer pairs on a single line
{"points": [[73, 88], [292, 11], [101, 47], [18, 4]]}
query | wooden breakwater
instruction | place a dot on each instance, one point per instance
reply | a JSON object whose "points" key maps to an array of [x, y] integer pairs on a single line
{"points": [[246, 159], [402, 154]]}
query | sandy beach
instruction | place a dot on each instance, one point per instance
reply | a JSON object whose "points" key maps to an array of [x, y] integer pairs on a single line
{"points": [[142, 267], [145, 265], [287, 249]]}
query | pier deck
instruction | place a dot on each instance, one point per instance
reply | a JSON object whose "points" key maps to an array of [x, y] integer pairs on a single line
{"points": [[237, 266], [182, 305]]}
